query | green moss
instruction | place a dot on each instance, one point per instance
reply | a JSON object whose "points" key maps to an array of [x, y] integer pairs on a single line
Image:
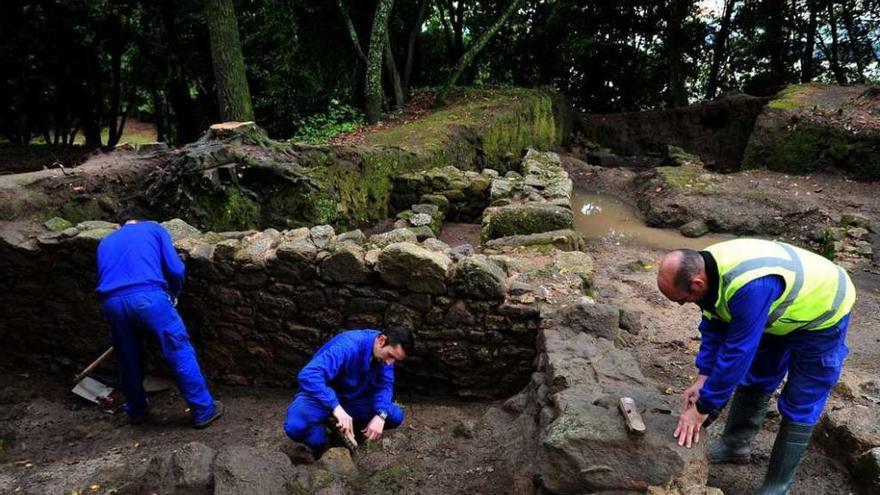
{"points": [[808, 148], [792, 97], [230, 211], [76, 211], [690, 177], [501, 121]]}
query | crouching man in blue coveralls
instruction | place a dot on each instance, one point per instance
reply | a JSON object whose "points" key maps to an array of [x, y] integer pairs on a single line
{"points": [[139, 277], [768, 309], [352, 378]]}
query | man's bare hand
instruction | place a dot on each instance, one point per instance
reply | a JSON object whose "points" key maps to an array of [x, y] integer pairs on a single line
{"points": [[688, 430], [692, 393], [345, 422], [373, 431]]}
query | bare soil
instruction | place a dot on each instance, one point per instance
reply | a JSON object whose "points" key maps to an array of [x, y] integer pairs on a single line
{"points": [[58, 443]]}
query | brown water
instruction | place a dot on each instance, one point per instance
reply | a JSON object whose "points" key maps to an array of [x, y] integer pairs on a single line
{"points": [[607, 218]]}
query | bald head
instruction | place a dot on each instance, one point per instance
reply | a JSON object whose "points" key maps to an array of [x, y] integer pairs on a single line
{"points": [[682, 276]]}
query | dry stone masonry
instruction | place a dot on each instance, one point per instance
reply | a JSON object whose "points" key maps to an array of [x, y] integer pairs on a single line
{"points": [[259, 303]]}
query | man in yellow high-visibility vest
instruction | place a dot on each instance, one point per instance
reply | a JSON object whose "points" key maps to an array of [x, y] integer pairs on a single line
{"points": [[768, 309]]}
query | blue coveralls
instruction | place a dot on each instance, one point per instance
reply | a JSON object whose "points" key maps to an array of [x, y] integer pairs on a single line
{"points": [[138, 274], [741, 354], [342, 372]]}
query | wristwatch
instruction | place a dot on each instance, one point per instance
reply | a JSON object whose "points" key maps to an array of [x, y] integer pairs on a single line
{"points": [[382, 414]]}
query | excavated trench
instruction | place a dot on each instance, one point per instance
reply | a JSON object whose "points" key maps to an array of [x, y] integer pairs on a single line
{"points": [[492, 322]]}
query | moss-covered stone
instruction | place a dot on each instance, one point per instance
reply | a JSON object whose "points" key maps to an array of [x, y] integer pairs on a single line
{"points": [[57, 224], [525, 219], [814, 127]]}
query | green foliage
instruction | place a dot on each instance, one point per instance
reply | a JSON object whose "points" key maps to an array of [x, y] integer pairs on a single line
{"points": [[337, 119]]}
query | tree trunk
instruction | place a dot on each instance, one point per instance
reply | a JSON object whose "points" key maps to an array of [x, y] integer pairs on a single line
{"points": [[447, 29], [719, 45], [853, 37], [233, 96], [478, 45], [675, 42], [352, 32], [810, 44], [159, 116], [777, 42], [373, 79], [411, 44], [91, 121], [393, 74], [115, 93], [839, 75]]}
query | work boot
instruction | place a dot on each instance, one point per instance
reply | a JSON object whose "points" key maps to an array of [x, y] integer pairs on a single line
{"points": [[788, 449], [748, 408], [219, 409]]}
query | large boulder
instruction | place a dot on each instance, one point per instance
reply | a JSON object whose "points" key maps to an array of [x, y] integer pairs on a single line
{"points": [[414, 268], [529, 218], [584, 445]]}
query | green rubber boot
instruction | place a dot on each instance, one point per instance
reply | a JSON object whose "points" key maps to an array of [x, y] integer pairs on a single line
{"points": [[788, 449], [748, 409]]}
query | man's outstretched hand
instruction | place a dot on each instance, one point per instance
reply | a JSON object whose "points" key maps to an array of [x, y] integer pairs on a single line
{"points": [[689, 423], [345, 422], [374, 429]]}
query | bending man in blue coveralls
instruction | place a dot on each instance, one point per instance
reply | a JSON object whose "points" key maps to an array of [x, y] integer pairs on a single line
{"points": [[139, 274], [768, 309], [352, 378]]}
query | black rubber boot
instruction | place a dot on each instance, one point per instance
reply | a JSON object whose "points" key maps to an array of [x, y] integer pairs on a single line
{"points": [[748, 408], [788, 449]]}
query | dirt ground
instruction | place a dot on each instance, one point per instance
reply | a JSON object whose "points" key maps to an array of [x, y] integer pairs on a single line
{"points": [[61, 444]]}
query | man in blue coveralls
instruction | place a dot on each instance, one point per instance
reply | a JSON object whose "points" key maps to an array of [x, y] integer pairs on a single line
{"points": [[352, 378], [139, 278], [768, 309]]}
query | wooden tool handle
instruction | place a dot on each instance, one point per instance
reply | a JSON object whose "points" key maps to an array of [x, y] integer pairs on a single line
{"points": [[95, 364]]}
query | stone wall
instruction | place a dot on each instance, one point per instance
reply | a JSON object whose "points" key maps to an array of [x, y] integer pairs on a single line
{"points": [[258, 304]]}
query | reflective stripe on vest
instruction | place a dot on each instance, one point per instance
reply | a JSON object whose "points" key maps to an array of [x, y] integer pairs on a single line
{"points": [[792, 270]]}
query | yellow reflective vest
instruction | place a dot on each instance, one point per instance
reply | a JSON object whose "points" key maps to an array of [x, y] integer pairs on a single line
{"points": [[817, 292]]}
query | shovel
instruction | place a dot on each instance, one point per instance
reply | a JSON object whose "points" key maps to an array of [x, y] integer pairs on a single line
{"points": [[90, 389], [94, 391]]}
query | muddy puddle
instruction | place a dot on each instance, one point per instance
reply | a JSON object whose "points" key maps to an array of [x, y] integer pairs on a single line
{"points": [[600, 216]]}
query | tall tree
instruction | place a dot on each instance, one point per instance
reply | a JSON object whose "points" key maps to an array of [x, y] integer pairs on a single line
{"points": [[233, 96], [719, 44], [677, 11], [807, 63], [375, 54], [468, 57], [777, 40], [414, 32], [834, 52]]}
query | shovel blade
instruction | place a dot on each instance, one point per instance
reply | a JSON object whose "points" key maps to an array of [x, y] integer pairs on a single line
{"points": [[92, 390]]}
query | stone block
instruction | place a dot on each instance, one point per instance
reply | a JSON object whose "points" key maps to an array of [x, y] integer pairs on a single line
{"points": [[525, 219], [480, 278], [414, 268], [345, 265], [178, 229], [243, 469]]}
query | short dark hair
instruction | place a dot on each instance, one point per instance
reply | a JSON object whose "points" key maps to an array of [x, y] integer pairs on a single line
{"points": [[690, 266], [132, 212], [399, 335]]}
